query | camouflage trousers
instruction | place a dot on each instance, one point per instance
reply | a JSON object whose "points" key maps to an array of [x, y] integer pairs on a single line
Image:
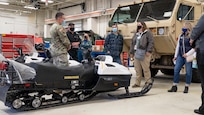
{"points": [[61, 60]]}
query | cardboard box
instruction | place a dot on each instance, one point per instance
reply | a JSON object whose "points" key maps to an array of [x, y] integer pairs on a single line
{"points": [[97, 48]]}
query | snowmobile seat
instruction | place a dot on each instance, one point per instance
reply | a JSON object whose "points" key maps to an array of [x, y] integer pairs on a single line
{"points": [[51, 74], [49, 66]]}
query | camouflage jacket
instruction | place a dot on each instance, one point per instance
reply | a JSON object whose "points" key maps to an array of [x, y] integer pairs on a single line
{"points": [[59, 40]]}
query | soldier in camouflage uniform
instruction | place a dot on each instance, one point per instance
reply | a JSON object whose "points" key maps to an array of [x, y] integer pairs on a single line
{"points": [[60, 43]]}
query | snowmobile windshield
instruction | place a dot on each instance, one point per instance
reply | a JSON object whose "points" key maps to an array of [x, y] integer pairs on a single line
{"points": [[30, 47], [147, 11], [24, 72], [105, 58]]}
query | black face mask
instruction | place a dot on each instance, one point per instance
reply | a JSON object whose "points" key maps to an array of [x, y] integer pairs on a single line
{"points": [[72, 29], [139, 27]]}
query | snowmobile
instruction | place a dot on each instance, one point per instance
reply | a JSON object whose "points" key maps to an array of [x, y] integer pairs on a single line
{"points": [[37, 85]]}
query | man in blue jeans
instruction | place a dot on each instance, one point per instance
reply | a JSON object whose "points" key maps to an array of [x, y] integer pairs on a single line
{"points": [[114, 44]]}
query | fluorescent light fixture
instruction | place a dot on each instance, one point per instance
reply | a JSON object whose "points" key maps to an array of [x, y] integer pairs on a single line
{"points": [[4, 3], [49, 1], [30, 7], [27, 12]]}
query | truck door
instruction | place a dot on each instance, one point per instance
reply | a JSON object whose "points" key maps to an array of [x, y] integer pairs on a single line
{"points": [[185, 13]]}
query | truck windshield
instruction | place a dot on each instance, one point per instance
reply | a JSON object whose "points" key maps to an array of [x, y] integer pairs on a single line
{"points": [[126, 14], [155, 10]]}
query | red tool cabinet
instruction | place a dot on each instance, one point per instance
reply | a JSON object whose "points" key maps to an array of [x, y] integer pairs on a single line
{"points": [[11, 41]]}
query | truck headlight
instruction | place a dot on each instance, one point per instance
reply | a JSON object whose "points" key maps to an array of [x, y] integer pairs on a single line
{"points": [[161, 31]]}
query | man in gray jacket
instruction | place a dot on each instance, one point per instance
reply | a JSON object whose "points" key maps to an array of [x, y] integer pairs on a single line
{"points": [[198, 35]]}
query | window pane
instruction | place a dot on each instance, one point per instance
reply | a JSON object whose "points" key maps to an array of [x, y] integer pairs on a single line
{"points": [[183, 10], [126, 14], [159, 10]]}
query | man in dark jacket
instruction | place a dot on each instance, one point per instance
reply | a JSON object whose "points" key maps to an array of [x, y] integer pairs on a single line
{"points": [[198, 35], [75, 41], [114, 44]]}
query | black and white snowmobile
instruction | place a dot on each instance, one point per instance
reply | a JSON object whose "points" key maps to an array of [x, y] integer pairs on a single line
{"points": [[38, 85]]}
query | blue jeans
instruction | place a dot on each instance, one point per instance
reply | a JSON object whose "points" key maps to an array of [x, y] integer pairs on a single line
{"points": [[79, 53], [180, 61], [117, 59]]}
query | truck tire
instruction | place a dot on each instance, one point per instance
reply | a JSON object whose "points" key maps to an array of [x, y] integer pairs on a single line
{"points": [[167, 71], [195, 76]]}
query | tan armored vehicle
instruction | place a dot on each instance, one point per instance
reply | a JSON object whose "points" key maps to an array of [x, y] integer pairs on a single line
{"points": [[164, 18]]}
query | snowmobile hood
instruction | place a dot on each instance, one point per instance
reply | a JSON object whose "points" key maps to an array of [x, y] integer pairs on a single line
{"points": [[106, 68]]}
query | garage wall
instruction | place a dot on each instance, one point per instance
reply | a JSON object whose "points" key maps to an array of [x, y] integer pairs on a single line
{"points": [[115, 3], [102, 21], [103, 4], [72, 10], [67, 11], [22, 24], [97, 24], [102, 25]]}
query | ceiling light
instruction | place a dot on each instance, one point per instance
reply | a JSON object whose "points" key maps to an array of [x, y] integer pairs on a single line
{"points": [[4, 3], [27, 12], [31, 7], [49, 1]]}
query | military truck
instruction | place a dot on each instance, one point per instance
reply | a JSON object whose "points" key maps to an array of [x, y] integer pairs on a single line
{"points": [[164, 18]]}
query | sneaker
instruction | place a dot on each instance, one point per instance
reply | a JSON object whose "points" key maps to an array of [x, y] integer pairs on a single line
{"points": [[173, 89], [185, 89], [198, 111]]}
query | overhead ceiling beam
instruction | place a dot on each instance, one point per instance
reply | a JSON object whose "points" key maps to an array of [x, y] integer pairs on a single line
{"points": [[59, 2], [84, 15], [70, 6]]}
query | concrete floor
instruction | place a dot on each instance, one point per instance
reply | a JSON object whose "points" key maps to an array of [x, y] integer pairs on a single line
{"points": [[157, 102]]}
